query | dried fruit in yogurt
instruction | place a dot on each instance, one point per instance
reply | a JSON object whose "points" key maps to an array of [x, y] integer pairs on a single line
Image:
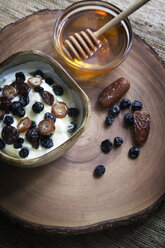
{"points": [[35, 81], [141, 126], [46, 127], [9, 135], [60, 109], [114, 92], [24, 125], [9, 91], [47, 97]]}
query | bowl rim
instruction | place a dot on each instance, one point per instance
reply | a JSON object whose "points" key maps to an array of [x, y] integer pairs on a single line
{"points": [[29, 163], [97, 69]]}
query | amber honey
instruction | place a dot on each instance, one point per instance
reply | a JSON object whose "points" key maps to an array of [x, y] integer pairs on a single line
{"points": [[114, 43]]}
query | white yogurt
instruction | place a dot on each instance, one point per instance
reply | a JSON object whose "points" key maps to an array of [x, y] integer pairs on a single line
{"points": [[60, 135]]}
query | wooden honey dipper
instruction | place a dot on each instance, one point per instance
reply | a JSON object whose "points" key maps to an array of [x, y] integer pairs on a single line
{"points": [[81, 46]]}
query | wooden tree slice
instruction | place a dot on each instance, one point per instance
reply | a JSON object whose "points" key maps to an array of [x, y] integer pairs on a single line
{"points": [[64, 196]]}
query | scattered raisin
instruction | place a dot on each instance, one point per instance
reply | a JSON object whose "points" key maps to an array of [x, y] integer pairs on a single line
{"points": [[37, 107], [20, 76], [58, 90], [134, 152], [39, 73], [18, 143], [8, 120], [22, 88], [33, 124], [49, 81], [72, 127], [24, 101], [114, 110], [38, 89], [125, 103], [118, 141], [106, 146], [49, 116], [5, 104], [128, 119], [99, 171], [109, 120], [46, 142], [137, 105], [20, 112]]}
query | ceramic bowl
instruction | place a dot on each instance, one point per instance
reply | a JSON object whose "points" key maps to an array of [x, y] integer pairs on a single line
{"points": [[32, 60]]}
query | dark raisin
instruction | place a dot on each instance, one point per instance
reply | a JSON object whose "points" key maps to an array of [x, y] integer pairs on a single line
{"points": [[20, 76], [5, 104], [47, 97], [58, 90], [106, 145], [109, 120], [2, 114], [73, 112], [9, 135], [72, 127], [33, 124], [24, 153], [33, 137], [38, 89], [20, 112], [49, 81], [8, 120], [114, 110], [46, 142], [118, 141], [39, 73], [49, 116], [137, 105], [125, 103], [128, 119], [22, 88], [2, 144], [134, 152], [99, 171], [37, 107], [15, 105], [24, 100], [18, 143]]}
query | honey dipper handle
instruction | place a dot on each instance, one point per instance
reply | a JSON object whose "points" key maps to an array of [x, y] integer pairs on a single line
{"points": [[120, 17]]}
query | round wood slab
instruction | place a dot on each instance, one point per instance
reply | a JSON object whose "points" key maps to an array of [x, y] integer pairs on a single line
{"points": [[64, 196]]}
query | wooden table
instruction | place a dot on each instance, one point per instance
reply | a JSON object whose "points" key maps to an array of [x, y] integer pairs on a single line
{"points": [[149, 23]]}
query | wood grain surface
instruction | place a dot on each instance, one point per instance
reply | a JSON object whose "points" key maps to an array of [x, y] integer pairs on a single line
{"points": [[64, 196]]}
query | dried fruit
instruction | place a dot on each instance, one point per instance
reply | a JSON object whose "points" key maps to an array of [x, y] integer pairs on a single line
{"points": [[114, 92], [37, 107], [24, 125], [24, 153], [114, 110], [118, 141], [2, 113], [38, 89], [49, 81], [72, 127], [109, 120], [47, 97], [35, 81], [46, 142], [39, 73], [137, 105], [33, 137], [46, 127], [22, 88], [128, 119], [99, 170], [141, 126], [58, 90], [20, 112], [125, 103], [24, 101], [9, 135], [106, 146], [18, 143], [134, 152], [33, 124], [20, 76], [60, 110], [5, 104], [8, 120], [73, 112], [49, 116], [9, 91]]}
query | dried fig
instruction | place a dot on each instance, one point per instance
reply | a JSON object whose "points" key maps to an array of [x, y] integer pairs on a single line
{"points": [[114, 92], [141, 126]]}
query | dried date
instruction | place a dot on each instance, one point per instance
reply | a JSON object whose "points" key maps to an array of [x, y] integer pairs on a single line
{"points": [[9, 135], [141, 126], [47, 97], [114, 92]]}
